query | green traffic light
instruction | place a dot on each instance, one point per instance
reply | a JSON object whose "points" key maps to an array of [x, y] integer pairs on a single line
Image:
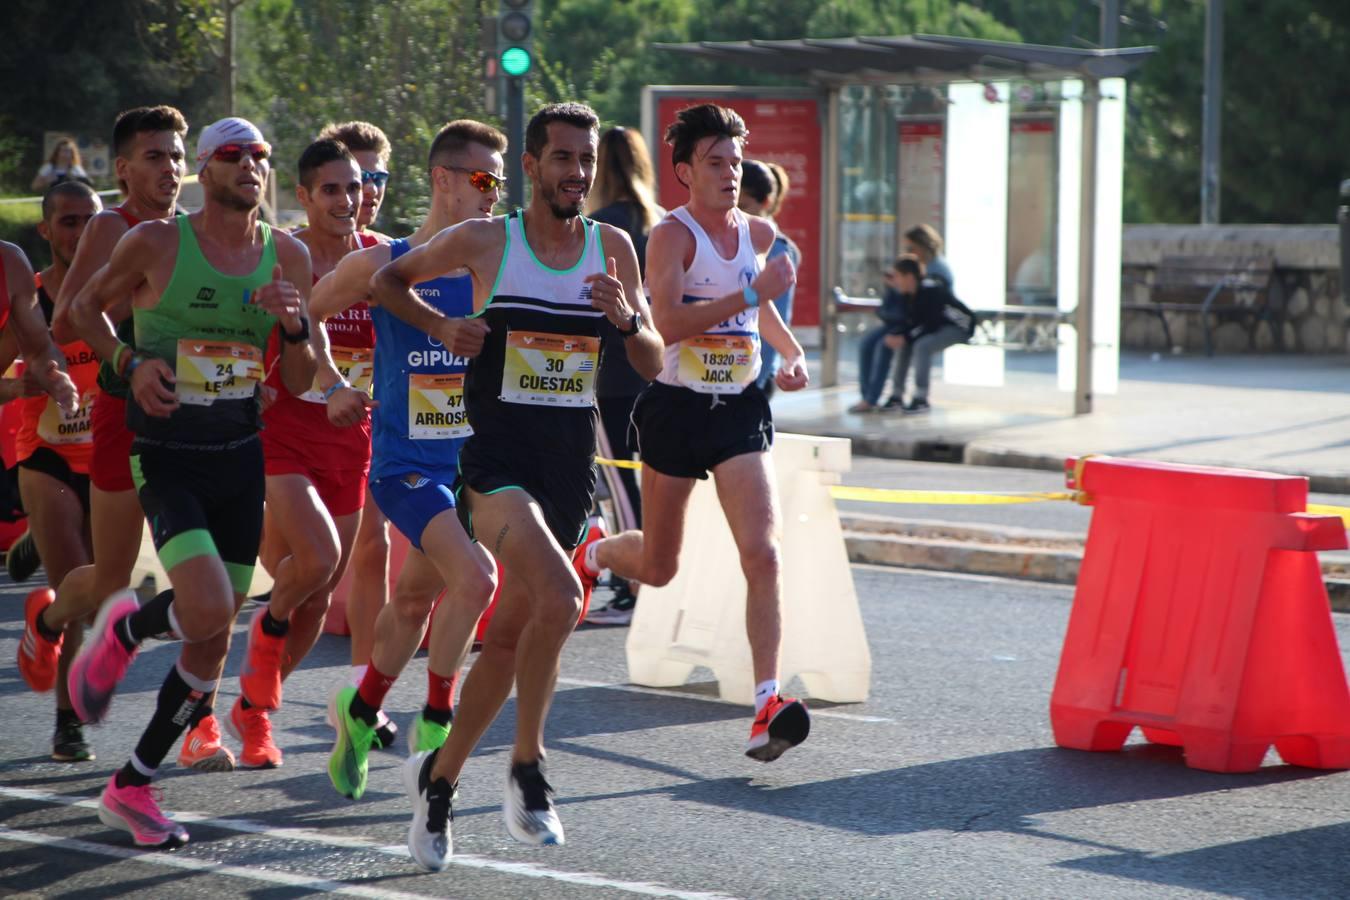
{"points": [[516, 61]]}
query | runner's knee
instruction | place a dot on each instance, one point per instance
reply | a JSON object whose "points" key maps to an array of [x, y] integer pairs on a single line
{"points": [[761, 561]]}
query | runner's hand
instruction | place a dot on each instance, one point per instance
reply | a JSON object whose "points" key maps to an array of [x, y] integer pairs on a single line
{"points": [[792, 376], [51, 380], [608, 297], [894, 341], [29, 385], [349, 406], [152, 385], [463, 337], [280, 298], [776, 278], [267, 395]]}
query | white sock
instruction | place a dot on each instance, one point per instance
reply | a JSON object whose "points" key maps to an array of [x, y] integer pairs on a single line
{"points": [[589, 560], [358, 672], [764, 692]]}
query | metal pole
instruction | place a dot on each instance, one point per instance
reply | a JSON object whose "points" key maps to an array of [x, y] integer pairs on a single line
{"points": [[515, 137], [229, 56], [1087, 239], [1110, 24], [830, 244], [1212, 142]]}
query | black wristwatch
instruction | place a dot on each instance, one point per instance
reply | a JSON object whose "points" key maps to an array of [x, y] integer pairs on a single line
{"points": [[634, 326], [299, 337]]}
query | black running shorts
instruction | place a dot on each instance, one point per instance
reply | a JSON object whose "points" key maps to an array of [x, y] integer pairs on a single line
{"points": [[684, 434], [203, 501], [563, 488], [49, 462]]}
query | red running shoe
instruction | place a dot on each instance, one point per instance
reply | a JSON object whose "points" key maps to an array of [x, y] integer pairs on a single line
{"points": [[782, 724], [37, 655], [260, 679], [596, 532]]}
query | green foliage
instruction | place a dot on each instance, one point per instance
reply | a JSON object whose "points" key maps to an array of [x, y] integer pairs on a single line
{"points": [[18, 225], [408, 66]]}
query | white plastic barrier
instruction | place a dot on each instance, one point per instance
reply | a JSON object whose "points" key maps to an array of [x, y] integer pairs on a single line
{"points": [[699, 618], [148, 566]]}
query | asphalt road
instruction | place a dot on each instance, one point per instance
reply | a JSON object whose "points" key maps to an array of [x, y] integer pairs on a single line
{"points": [[944, 783]]}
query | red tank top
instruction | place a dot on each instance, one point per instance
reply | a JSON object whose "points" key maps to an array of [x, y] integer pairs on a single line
{"points": [[43, 423], [4, 295], [303, 421]]}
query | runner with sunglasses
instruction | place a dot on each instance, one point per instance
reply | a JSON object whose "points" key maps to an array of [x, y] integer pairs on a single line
{"points": [[418, 426], [316, 471], [368, 589], [543, 278], [208, 289], [150, 166]]}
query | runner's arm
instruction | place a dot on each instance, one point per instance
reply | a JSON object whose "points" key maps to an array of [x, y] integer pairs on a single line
{"points": [[454, 248], [667, 249], [287, 298], [118, 279], [43, 360], [94, 249], [643, 348]]}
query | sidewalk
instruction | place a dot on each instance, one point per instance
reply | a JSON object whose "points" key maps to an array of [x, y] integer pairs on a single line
{"points": [[1277, 413]]}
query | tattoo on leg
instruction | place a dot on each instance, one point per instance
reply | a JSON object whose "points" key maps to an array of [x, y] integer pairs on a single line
{"points": [[501, 536]]}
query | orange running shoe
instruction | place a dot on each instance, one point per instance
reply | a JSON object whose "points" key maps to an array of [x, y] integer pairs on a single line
{"points": [[203, 751], [782, 724], [253, 729], [37, 655], [260, 679], [595, 532]]}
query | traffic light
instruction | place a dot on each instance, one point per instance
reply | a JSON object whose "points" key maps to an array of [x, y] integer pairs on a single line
{"points": [[515, 37]]}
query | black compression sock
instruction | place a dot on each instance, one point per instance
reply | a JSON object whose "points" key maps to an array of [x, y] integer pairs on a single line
{"points": [[46, 633], [66, 717], [362, 710], [129, 775], [178, 702], [148, 621]]}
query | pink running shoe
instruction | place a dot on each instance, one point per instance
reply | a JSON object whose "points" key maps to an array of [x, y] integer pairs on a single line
{"points": [[136, 809], [102, 660]]}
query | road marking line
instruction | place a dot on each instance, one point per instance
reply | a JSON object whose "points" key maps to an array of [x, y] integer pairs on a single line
{"points": [[960, 576], [243, 826], [684, 695], [160, 858]]}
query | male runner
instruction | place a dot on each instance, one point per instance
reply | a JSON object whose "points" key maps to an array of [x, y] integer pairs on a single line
{"points": [[53, 450], [149, 162], [207, 291], [368, 590], [316, 471], [543, 279], [704, 412], [419, 424]]}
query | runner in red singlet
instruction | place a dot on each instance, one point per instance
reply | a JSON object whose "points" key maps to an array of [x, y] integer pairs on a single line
{"points": [[369, 587], [54, 447], [316, 471]]}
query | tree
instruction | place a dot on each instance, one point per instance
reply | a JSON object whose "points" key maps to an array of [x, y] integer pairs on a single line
{"points": [[408, 66]]}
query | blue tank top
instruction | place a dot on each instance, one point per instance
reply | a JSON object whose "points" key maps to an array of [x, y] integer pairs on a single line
{"points": [[421, 422]]}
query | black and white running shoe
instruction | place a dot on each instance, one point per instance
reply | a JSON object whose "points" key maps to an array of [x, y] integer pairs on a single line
{"points": [[429, 838], [530, 816]]}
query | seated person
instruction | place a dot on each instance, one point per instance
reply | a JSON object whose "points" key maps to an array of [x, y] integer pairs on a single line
{"points": [[933, 321]]}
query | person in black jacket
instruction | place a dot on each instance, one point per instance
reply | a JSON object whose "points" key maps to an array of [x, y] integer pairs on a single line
{"points": [[874, 363], [933, 320]]}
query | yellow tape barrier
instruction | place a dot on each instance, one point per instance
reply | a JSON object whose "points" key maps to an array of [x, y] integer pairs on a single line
{"points": [[967, 498]]}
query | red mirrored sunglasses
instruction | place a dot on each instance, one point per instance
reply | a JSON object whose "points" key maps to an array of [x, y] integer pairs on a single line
{"points": [[232, 153], [484, 181]]}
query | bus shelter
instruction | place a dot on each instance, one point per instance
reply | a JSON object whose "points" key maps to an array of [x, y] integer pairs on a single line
{"points": [[1014, 152]]}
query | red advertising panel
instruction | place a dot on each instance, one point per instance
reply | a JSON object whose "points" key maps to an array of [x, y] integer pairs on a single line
{"points": [[784, 130]]}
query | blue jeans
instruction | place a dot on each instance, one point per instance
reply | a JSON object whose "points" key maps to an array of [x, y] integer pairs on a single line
{"points": [[921, 353], [874, 364]]}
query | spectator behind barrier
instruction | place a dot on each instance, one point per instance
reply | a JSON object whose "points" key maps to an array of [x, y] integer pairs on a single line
{"points": [[62, 165]]}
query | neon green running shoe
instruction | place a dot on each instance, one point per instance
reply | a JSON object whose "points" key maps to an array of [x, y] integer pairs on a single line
{"points": [[426, 735], [347, 765]]}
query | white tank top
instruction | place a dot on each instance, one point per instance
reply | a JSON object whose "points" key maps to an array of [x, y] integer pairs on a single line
{"points": [[725, 358]]}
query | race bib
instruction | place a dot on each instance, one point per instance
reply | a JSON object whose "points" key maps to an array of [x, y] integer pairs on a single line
{"points": [[208, 371], [550, 369], [357, 366], [56, 426], [717, 363], [436, 407]]}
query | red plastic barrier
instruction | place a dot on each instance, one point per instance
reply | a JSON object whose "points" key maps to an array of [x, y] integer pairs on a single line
{"points": [[1200, 616], [9, 427]]}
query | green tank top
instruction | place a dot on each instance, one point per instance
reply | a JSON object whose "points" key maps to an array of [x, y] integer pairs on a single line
{"points": [[213, 336]]}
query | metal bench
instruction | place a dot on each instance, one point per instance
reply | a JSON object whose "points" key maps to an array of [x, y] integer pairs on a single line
{"points": [[1025, 327], [1241, 289]]}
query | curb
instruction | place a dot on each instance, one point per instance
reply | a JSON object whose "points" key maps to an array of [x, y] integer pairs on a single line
{"points": [[1025, 554]]}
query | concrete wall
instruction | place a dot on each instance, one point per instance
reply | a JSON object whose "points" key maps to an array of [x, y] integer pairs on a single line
{"points": [[1307, 259]]}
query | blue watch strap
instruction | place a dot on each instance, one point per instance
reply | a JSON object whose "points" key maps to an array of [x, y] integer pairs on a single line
{"points": [[751, 296]]}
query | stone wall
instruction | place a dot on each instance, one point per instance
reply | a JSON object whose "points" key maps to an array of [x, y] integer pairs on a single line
{"points": [[1307, 260]]}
